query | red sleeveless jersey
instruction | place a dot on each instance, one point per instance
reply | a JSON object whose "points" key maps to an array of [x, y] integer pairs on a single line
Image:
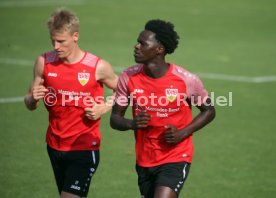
{"points": [[168, 99], [71, 89]]}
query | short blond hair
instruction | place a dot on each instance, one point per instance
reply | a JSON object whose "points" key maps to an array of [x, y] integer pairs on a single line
{"points": [[63, 20]]}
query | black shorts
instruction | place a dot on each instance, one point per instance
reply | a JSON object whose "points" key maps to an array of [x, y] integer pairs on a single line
{"points": [[73, 170], [172, 175]]}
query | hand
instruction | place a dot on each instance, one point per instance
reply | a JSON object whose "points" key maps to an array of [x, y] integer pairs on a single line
{"points": [[39, 91], [96, 111], [141, 120], [172, 134]]}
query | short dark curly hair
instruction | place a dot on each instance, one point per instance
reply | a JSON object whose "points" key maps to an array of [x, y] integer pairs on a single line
{"points": [[164, 33]]}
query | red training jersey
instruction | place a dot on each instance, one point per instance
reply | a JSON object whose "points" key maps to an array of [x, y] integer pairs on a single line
{"points": [[71, 87], [168, 100]]}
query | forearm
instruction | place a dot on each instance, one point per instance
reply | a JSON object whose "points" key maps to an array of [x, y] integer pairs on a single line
{"points": [[201, 120], [120, 123], [30, 102], [106, 108], [108, 104]]}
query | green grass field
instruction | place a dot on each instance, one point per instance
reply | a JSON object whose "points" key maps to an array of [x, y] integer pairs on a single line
{"points": [[228, 43]]}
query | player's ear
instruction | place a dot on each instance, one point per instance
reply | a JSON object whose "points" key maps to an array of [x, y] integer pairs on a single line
{"points": [[76, 36], [160, 50]]}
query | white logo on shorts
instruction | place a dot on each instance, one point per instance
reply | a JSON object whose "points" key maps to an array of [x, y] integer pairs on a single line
{"points": [[75, 187]]}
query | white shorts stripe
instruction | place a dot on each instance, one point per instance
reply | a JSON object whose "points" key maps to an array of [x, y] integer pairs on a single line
{"points": [[93, 157], [184, 171]]}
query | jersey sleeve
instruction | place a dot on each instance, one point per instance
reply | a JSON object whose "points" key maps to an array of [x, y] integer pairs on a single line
{"points": [[122, 92], [196, 91]]}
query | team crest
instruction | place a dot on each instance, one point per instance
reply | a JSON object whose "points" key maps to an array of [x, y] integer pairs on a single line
{"points": [[171, 94], [83, 78]]}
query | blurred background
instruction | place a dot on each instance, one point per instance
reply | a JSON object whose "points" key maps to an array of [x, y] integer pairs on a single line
{"points": [[229, 44]]}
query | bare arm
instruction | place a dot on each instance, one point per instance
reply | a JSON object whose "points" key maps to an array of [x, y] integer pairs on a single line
{"points": [[106, 75], [206, 115], [119, 122], [37, 90]]}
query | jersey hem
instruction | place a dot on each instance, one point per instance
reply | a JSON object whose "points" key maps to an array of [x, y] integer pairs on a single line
{"points": [[161, 163]]}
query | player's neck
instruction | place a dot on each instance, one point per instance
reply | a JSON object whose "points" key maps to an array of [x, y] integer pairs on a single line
{"points": [[74, 57], [156, 70]]}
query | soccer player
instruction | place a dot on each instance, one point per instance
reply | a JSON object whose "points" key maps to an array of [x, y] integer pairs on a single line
{"points": [[162, 95], [70, 81]]}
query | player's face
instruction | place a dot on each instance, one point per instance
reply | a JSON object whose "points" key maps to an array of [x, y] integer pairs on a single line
{"points": [[64, 43], [146, 48]]}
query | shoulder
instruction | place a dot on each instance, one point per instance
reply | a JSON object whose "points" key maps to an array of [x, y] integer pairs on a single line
{"points": [[133, 70], [129, 73], [104, 72], [50, 57], [184, 74], [193, 84], [91, 60], [103, 66], [39, 65]]}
